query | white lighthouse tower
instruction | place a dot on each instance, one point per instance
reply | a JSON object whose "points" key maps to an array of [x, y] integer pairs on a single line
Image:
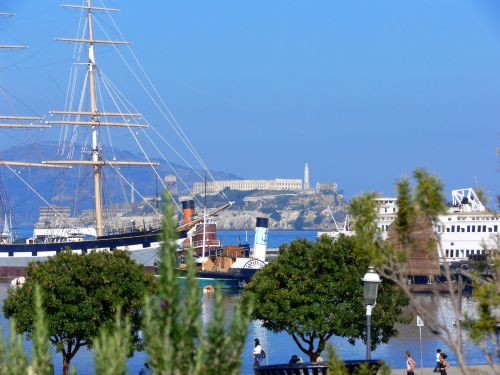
{"points": [[306, 177]]}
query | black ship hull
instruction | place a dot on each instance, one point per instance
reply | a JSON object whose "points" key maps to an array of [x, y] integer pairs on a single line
{"points": [[142, 245]]}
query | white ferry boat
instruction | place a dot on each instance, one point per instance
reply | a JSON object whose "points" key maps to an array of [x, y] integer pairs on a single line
{"points": [[466, 230]]}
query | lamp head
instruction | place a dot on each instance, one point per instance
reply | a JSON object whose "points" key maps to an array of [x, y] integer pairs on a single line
{"points": [[371, 281]]}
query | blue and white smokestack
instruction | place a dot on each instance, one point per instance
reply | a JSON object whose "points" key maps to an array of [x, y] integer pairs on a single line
{"points": [[260, 244]]}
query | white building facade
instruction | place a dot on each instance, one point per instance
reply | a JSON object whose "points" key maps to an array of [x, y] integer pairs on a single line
{"points": [[293, 184]]}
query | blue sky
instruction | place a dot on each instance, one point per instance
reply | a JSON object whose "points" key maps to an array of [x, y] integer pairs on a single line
{"points": [[364, 91]]}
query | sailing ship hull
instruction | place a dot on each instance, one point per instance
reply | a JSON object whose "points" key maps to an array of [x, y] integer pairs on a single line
{"points": [[142, 245]]}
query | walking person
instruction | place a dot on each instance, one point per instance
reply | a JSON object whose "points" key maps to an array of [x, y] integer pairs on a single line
{"points": [[438, 360], [257, 353], [410, 364], [145, 370], [443, 365], [295, 360]]}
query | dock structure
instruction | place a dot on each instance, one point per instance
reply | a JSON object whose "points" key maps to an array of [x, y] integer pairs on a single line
{"points": [[423, 260], [422, 268], [467, 276], [314, 368]]}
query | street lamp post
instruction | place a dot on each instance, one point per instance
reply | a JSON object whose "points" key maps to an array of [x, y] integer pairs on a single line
{"points": [[371, 281]]}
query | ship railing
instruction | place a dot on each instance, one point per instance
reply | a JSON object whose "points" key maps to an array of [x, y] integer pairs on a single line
{"points": [[208, 243], [128, 229]]}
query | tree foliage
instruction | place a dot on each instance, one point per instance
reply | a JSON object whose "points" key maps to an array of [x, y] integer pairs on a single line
{"points": [[313, 290], [13, 358], [41, 355], [483, 326], [81, 294], [113, 346]]}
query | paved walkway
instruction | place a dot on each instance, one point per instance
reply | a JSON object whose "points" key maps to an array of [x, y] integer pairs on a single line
{"points": [[453, 370]]}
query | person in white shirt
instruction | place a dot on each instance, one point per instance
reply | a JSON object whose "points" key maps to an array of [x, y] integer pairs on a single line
{"points": [[410, 364], [257, 353], [438, 360]]}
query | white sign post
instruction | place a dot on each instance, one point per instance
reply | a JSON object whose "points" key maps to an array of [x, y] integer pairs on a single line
{"points": [[420, 324]]}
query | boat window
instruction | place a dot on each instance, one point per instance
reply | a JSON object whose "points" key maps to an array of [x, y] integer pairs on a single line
{"points": [[479, 228], [451, 253], [473, 228], [495, 228], [458, 228], [468, 228], [490, 229], [447, 253], [467, 252], [484, 228], [453, 228], [447, 229]]}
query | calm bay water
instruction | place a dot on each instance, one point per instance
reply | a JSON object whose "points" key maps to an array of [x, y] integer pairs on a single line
{"points": [[280, 346]]}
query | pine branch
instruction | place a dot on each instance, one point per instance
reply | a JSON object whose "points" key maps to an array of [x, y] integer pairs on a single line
{"points": [[41, 356]]}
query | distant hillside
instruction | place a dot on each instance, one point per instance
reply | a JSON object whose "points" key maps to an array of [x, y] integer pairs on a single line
{"points": [[73, 187], [290, 210]]}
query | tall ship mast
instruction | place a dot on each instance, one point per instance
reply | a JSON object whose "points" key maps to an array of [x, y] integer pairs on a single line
{"points": [[90, 114], [94, 116]]}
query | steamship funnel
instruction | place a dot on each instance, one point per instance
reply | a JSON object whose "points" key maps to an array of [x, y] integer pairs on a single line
{"points": [[260, 244]]}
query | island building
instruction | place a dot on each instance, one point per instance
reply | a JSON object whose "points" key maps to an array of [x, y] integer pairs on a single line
{"points": [[277, 184], [171, 184], [326, 187], [214, 187]]}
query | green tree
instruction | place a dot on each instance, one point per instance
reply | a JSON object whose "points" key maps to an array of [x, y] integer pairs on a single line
{"points": [[81, 294], [313, 290]]}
